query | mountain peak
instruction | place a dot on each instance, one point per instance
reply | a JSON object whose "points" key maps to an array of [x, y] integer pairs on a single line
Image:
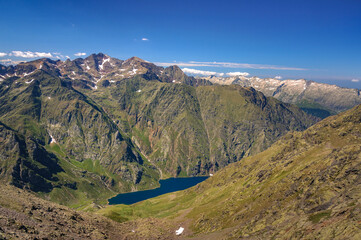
{"points": [[134, 59]]}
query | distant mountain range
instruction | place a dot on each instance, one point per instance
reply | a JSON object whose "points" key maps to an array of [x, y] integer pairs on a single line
{"points": [[95, 126], [318, 99]]}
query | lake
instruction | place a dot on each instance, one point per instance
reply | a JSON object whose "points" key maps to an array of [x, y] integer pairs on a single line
{"points": [[166, 186]]}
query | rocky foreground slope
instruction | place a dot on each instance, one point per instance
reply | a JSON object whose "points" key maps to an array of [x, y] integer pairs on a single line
{"points": [[24, 216], [79, 131], [305, 186], [319, 99]]}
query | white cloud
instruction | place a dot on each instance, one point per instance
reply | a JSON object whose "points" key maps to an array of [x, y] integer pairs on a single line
{"points": [[2, 54], [355, 80], [228, 65], [67, 56], [278, 77], [234, 74], [80, 54], [145, 39], [201, 72], [29, 54], [9, 62]]}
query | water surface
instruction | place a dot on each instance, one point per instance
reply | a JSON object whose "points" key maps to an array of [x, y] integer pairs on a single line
{"points": [[166, 186]]}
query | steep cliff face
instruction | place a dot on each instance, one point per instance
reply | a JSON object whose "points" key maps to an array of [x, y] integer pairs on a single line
{"points": [[306, 185], [59, 119], [25, 163], [241, 121], [191, 131]]}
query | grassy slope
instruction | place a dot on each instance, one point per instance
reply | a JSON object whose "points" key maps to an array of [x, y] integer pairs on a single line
{"points": [[306, 185], [190, 131]]}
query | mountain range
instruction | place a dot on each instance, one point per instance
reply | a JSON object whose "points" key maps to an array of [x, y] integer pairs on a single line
{"points": [[319, 99], [127, 123], [78, 132]]}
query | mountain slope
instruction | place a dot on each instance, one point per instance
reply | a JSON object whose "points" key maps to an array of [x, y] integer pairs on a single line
{"points": [[62, 122], [190, 131], [110, 133], [24, 216], [306, 185], [319, 99]]}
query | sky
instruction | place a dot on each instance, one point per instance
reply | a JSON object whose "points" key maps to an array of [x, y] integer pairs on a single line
{"points": [[317, 40]]}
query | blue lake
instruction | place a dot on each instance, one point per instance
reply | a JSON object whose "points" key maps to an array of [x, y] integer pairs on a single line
{"points": [[166, 186]]}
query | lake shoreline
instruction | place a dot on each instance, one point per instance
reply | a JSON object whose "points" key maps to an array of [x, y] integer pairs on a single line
{"points": [[167, 185]]}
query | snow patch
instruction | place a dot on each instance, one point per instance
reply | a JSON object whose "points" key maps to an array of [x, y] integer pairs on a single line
{"points": [[26, 74], [211, 174], [52, 139], [139, 90], [30, 81], [101, 66], [49, 98], [112, 81], [179, 231]]}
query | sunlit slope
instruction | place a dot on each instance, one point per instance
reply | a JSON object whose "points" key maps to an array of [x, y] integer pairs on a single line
{"points": [[306, 185], [189, 131]]}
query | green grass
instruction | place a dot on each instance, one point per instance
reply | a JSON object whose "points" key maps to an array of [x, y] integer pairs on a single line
{"points": [[316, 218]]}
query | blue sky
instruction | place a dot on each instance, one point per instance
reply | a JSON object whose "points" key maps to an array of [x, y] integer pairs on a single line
{"points": [[318, 40]]}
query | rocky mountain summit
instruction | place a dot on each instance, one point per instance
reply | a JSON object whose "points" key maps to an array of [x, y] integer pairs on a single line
{"points": [[100, 70], [316, 98]]}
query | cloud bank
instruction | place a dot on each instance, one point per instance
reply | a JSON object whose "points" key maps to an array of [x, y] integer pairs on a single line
{"points": [[2, 54], [200, 72], [355, 80], [29, 54], [9, 62], [79, 54], [278, 77], [228, 65], [235, 74], [145, 39]]}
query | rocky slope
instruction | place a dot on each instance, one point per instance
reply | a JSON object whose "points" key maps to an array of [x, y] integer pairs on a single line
{"points": [[305, 186], [24, 216], [103, 133], [50, 128], [190, 131], [315, 98]]}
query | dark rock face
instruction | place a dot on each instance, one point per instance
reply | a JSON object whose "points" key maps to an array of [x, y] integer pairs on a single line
{"points": [[26, 163]]}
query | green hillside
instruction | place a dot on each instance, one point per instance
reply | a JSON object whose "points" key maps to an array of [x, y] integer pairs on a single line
{"points": [[305, 186]]}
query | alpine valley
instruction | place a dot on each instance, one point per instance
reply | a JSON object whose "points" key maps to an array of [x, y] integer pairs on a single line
{"points": [[76, 133]]}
